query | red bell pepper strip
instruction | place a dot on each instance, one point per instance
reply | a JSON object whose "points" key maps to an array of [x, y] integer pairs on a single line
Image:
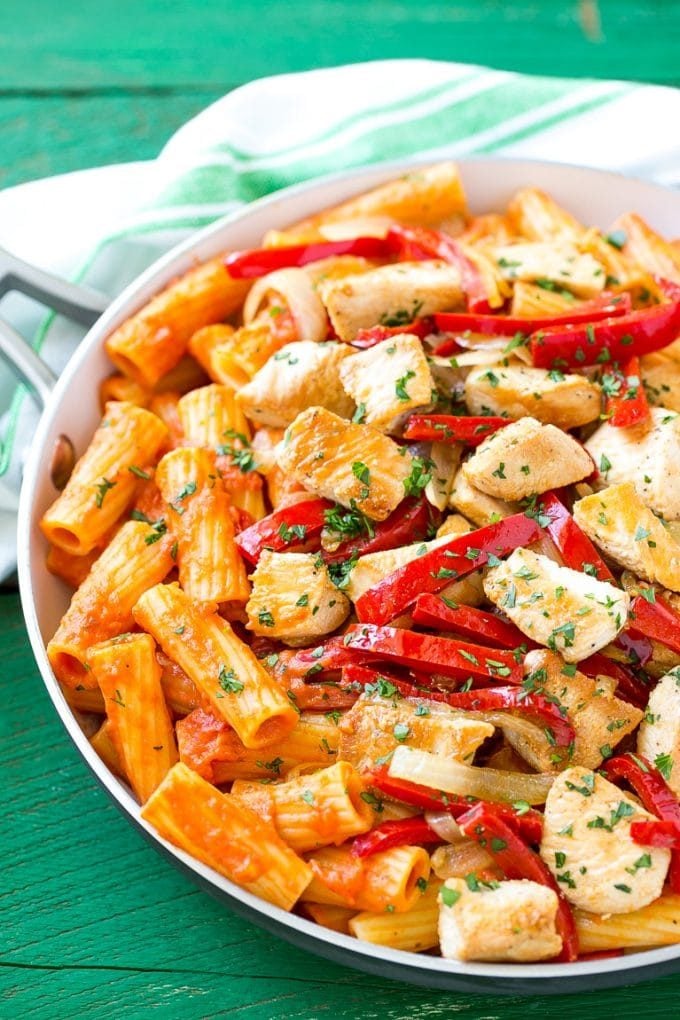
{"points": [[291, 526], [663, 835], [529, 823], [412, 521], [574, 546], [376, 334], [433, 611], [486, 826], [629, 406], [628, 686], [328, 657], [400, 832], [417, 243], [427, 652], [448, 428], [656, 620], [248, 265], [439, 567], [318, 697], [610, 339], [637, 648], [655, 794], [607, 306], [489, 699]]}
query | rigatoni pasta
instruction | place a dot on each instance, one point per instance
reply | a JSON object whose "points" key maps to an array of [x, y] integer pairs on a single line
{"points": [[141, 730], [104, 480], [138, 557], [227, 836], [222, 667]]}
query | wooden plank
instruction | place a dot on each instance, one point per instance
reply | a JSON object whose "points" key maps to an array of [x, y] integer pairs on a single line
{"points": [[49, 135], [95, 923], [225, 42]]}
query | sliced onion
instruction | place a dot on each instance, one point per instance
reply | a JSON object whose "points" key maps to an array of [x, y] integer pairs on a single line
{"points": [[297, 291], [460, 860], [451, 776], [481, 342], [444, 825]]}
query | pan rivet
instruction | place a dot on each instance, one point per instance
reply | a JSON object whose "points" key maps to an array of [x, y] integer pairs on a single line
{"points": [[62, 462]]}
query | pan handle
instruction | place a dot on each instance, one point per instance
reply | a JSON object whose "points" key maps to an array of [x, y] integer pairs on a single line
{"points": [[82, 304], [25, 363]]}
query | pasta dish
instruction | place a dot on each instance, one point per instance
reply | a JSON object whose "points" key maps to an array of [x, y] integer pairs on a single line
{"points": [[375, 561]]}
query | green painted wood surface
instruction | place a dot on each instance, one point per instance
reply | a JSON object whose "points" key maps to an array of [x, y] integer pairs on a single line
{"points": [[93, 922]]}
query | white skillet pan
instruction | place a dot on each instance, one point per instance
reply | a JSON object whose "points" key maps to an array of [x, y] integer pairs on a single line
{"points": [[72, 409]]}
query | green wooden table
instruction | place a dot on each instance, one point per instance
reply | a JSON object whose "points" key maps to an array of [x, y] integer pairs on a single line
{"points": [[93, 922]]}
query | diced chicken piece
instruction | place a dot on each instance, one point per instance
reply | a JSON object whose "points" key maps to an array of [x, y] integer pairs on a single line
{"points": [[570, 612], [455, 524], [513, 921], [445, 459], [390, 295], [566, 401], [600, 719], [381, 721], [559, 263], [476, 505], [387, 380], [588, 847], [526, 458], [294, 599], [299, 375], [659, 734], [353, 464], [647, 456], [630, 534], [661, 378]]}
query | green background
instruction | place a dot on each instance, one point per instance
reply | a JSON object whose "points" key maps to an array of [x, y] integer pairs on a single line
{"points": [[93, 922]]}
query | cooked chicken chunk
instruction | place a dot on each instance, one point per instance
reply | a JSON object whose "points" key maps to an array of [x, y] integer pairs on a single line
{"points": [[518, 390], [476, 505], [647, 456], [294, 599], [559, 263], [515, 921], [390, 295], [387, 380], [600, 719], [570, 612], [588, 847], [353, 464], [629, 533], [659, 734], [661, 378], [525, 458], [380, 722], [299, 375]]}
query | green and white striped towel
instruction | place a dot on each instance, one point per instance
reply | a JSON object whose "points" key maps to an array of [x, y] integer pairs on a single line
{"points": [[279, 131]]}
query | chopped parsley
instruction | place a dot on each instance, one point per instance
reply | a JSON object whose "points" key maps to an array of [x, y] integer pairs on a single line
{"points": [[102, 488], [229, 681]]}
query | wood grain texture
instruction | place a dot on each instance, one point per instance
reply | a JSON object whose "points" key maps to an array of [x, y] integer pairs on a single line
{"points": [[94, 922], [161, 42]]}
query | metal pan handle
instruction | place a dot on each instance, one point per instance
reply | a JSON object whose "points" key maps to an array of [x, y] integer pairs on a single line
{"points": [[82, 304]]}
